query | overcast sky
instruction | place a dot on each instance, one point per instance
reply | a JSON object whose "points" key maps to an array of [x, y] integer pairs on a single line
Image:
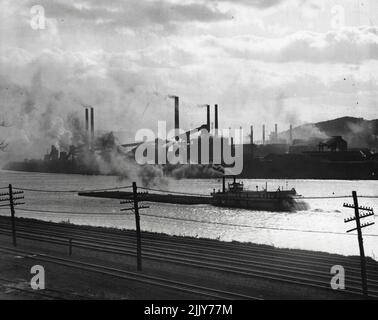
{"points": [[262, 61]]}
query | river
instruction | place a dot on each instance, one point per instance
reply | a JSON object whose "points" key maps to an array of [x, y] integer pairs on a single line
{"points": [[320, 228]]}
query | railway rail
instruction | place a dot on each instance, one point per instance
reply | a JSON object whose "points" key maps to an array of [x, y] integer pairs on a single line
{"points": [[123, 236], [149, 248], [295, 268], [133, 276], [197, 244]]}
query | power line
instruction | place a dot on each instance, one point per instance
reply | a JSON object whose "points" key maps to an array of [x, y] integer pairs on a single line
{"points": [[335, 197], [325, 197], [173, 192], [249, 226], [71, 191], [193, 220], [69, 212], [367, 196]]}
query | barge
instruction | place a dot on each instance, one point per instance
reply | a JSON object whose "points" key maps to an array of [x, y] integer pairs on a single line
{"points": [[151, 197], [234, 197]]}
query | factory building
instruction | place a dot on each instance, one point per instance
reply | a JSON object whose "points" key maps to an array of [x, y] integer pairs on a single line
{"points": [[281, 155]]}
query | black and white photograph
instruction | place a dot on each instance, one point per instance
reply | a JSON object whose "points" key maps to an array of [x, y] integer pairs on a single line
{"points": [[184, 155]]}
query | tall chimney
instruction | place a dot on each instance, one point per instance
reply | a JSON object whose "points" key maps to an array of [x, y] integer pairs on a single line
{"points": [[263, 134], [92, 124], [208, 117], [216, 117], [291, 135], [275, 132], [177, 118], [251, 135], [86, 120]]}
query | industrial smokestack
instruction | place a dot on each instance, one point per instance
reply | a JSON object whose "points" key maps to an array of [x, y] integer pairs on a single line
{"points": [[86, 120], [263, 134], [208, 117], [291, 135], [251, 136], [92, 124], [275, 132], [216, 117], [177, 118]]}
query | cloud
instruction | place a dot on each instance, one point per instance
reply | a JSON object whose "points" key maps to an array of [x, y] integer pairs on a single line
{"points": [[106, 59], [130, 13], [260, 4], [264, 4], [350, 45]]}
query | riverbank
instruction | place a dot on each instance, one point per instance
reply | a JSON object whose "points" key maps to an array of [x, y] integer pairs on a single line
{"points": [[242, 269]]}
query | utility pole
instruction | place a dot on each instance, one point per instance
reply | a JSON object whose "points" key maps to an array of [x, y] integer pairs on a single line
{"points": [[12, 203], [137, 224], [357, 217], [136, 208]]}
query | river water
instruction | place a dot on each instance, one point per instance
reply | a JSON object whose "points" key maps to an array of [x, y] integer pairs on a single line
{"points": [[280, 229]]}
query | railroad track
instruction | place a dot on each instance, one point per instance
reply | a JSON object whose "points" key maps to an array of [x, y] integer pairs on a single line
{"points": [[133, 276], [205, 246], [95, 242], [295, 276], [290, 268], [208, 245]]}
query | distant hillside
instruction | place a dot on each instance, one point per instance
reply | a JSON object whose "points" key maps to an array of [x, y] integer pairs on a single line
{"points": [[358, 132]]}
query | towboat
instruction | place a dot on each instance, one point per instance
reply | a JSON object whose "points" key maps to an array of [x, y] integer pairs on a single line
{"points": [[235, 196]]}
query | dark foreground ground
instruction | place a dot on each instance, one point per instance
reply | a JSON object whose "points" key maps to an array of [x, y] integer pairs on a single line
{"points": [[247, 270]]}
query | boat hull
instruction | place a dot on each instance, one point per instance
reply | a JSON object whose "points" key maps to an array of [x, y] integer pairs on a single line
{"points": [[235, 200], [254, 204]]}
